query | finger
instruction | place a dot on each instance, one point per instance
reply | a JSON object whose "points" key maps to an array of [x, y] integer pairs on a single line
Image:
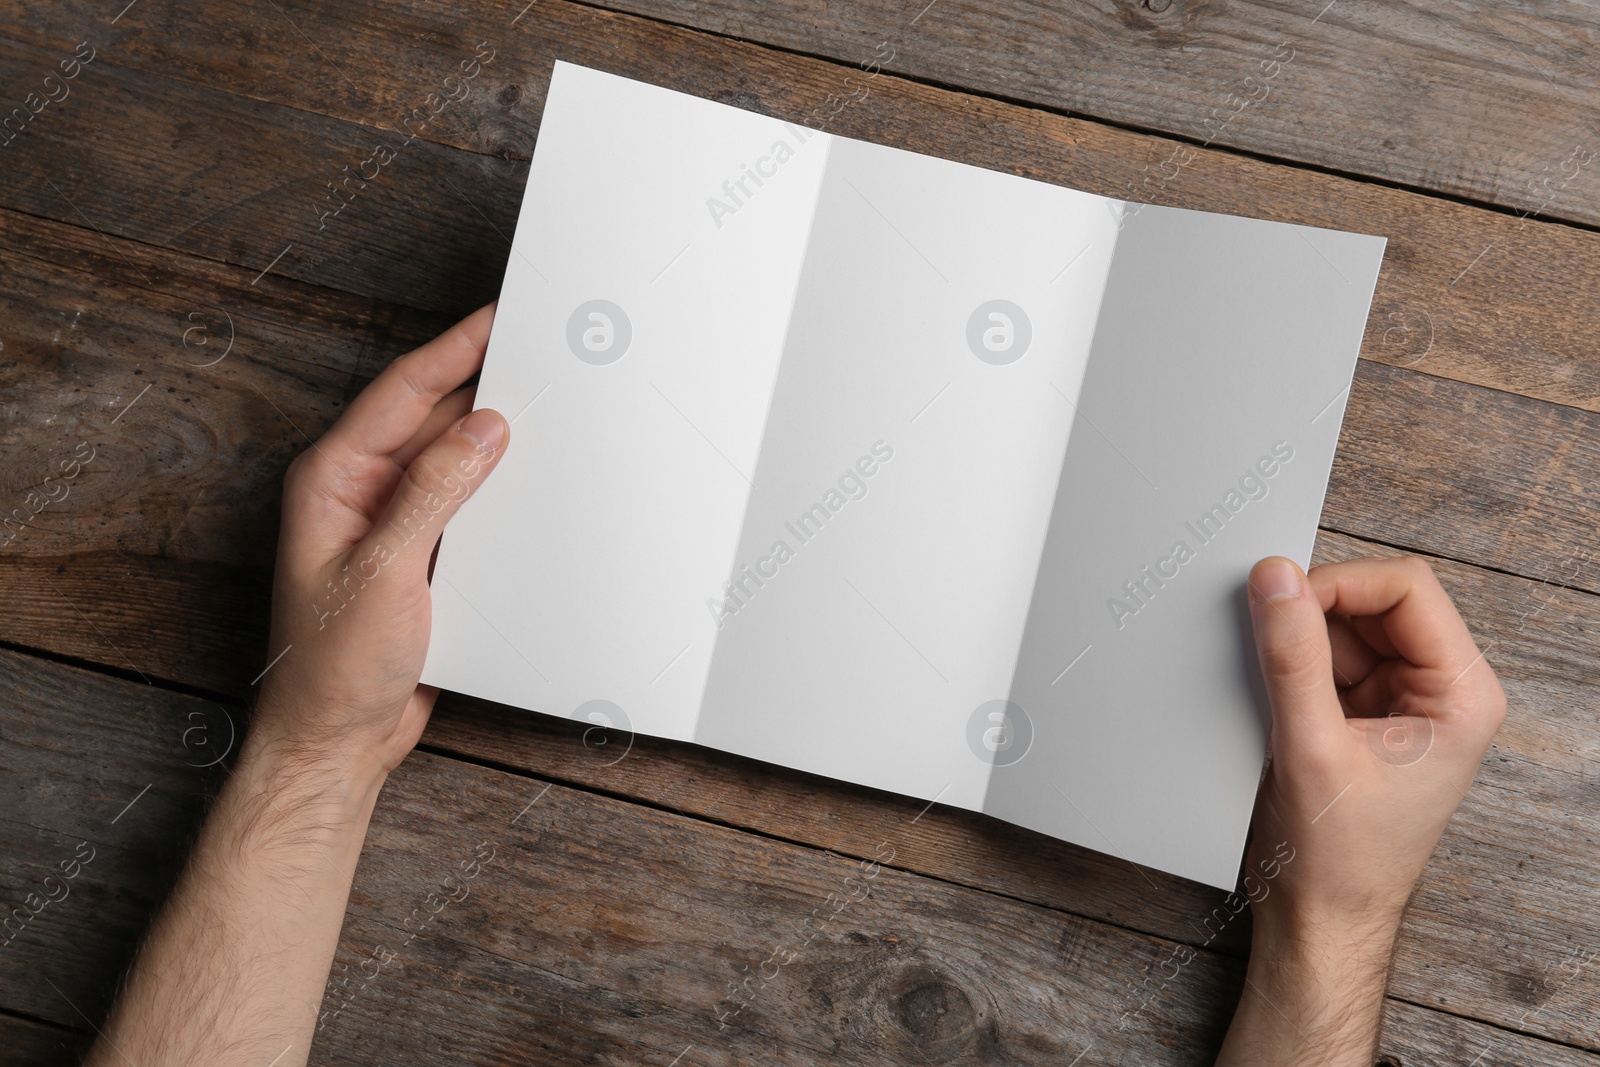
{"points": [[391, 410], [1374, 695], [435, 485], [1416, 614], [1370, 627], [1353, 658], [1296, 659], [444, 415]]}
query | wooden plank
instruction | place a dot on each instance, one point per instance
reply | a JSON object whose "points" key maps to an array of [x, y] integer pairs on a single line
{"points": [[1466, 293], [241, 181], [27, 1041], [1468, 473], [665, 915], [1413, 1036], [105, 780], [669, 916], [496, 916], [1486, 103], [184, 387], [1479, 102]]}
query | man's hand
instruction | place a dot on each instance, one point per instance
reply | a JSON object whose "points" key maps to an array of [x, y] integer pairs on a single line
{"points": [[1382, 710], [235, 965], [362, 512]]}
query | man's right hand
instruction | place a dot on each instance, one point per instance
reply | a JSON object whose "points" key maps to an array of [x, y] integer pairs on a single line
{"points": [[1382, 710]]}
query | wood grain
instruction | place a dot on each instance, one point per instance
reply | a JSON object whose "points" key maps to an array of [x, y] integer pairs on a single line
{"points": [[1504, 483], [1472, 294], [105, 780], [240, 181], [195, 150], [498, 917], [1468, 473], [1478, 101], [30, 1042], [185, 384], [187, 601]]}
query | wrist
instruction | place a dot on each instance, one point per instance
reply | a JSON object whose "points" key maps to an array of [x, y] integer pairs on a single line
{"points": [[1323, 964], [291, 772], [1313, 992], [298, 739], [1312, 937]]}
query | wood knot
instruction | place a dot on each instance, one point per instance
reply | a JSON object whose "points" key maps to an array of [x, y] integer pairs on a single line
{"points": [[1158, 6], [931, 1009], [931, 1012], [508, 96], [507, 138], [1525, 989]]}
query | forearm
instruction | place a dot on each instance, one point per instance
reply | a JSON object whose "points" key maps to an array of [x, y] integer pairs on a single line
{"points": [[234, 967], [1312, 996]]}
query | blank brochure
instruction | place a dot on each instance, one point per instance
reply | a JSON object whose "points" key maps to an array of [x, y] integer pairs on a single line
{"points": [[896, 470]]}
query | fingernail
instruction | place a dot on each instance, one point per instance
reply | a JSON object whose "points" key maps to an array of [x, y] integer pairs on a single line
{"points": [[484, 428], [1275, 579]]}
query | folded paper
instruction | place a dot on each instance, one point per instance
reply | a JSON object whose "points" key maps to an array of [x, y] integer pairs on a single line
{"points": [[896, 470]]}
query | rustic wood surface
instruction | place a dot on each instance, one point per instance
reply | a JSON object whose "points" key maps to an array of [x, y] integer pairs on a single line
{"points": [[168, 300], [601, 927]]}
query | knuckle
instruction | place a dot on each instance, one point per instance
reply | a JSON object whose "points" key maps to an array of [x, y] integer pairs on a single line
{"points": [[1495, 705], [415, 385], [1418, 568], [1290, 657], [424, 475], [313, 475], [1313, 762], [431, 477], [305, 474], [1483, 707]]}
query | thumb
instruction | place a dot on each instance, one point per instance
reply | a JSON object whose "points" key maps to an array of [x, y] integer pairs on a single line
{"points": [[1296, 659], [435, 485]]}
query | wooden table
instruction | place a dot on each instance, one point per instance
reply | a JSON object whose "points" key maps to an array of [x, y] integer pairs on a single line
{"points": [[181, 306]]}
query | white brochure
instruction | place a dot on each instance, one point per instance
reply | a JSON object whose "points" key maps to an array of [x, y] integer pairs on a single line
{"points": [[897, 470]]}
